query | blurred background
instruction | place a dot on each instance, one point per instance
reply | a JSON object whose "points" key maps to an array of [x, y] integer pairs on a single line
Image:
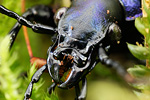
{"points": [[103, 83]]}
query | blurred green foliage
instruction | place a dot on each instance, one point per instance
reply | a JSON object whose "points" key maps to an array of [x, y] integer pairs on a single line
{"points": [[9, 81], [14, 64], [142, 51], [17, 62], [108, 90]]}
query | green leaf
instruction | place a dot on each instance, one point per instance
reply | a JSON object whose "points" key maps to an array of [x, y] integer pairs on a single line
{"points": [[141, 25], [142, 86], [139, 71], [139, 51], [142, 74]]}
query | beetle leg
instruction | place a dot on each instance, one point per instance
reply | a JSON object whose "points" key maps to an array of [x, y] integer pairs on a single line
{"points": [[81, 95], [52, 88], [13, 33], [115, 65], [77, 90], [35, 79], [33, 14], [39, 28]]}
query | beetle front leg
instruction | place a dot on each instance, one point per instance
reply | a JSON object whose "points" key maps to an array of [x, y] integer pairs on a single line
{"points": [[81, 95], [35, 79], [115, 65]]}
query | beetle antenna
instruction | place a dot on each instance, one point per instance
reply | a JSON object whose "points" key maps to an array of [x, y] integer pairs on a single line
{"points": [[7, 12], [39, 28]]}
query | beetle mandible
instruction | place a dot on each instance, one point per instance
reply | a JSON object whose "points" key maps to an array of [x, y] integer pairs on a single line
{"points": [[83, 30]]}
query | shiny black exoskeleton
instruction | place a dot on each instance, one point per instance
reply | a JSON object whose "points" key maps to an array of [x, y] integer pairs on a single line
{"points": [[84, 30]]}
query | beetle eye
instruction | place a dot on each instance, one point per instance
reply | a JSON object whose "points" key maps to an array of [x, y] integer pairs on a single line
{"points": [[59, 14]]}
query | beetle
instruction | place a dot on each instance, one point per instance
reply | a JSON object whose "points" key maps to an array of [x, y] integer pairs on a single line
{"points": [[84, 31]]}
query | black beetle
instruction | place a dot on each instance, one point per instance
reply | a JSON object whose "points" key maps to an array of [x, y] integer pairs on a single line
{"points": [[84, 30]]}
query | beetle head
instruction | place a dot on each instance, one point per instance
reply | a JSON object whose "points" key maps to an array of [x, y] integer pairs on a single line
{"points": [[74, 52], [66, 64], [69, 59]]}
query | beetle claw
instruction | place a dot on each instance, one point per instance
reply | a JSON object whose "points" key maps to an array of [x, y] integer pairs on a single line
{"points": [[65, 84]]}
